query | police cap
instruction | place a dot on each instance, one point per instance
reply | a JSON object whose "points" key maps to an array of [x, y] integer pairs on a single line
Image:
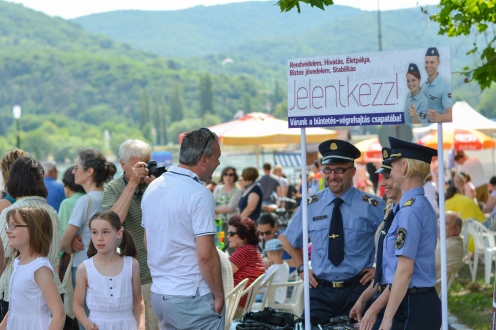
{"points": [[386, 163], [405, 149], [412, 67], [432, 51], [338, 152]]}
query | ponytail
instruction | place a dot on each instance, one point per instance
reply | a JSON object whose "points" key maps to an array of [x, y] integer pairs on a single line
{"points": [[127, 246]]}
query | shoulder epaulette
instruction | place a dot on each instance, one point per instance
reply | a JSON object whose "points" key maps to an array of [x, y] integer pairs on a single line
{"points": [[312, 199], [409, 202], [370, 200]]}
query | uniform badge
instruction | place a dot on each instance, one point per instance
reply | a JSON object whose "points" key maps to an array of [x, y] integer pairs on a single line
{"points": [[422, 115], [370, 200], [400, 238], [334, 146], [409, 202], [385, 154], [432, 52], [411, 68], [312, 199], [320, 217], [449, 95]]}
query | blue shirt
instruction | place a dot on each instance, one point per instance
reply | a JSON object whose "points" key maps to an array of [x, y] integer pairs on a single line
{"points": [[413, 234], [56, 193], [360, 221], [383, 280], [420, 102], [438, 94]]}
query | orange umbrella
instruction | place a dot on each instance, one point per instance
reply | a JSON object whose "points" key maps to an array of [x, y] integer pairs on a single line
{"points": [[462, 139], [371, 150]]}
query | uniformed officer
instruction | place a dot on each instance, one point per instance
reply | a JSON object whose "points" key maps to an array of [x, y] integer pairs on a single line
{"points": [[342, 221], [416, 103], [379, 290], [410, 244], [437, 90]]}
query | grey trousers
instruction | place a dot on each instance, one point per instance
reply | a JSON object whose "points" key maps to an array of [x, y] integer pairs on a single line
{"points": [[187, 312]]}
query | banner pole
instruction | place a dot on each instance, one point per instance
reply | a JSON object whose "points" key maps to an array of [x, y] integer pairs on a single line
{"points": [[304, 212], [442, 228]]}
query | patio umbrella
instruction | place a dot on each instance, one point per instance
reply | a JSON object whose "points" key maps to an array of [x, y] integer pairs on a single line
{"points": [[262, 129], [461, 139], [371, 150]]}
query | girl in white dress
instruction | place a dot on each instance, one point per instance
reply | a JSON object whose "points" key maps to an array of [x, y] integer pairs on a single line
{"points": [[109, 280], [35, 301]]}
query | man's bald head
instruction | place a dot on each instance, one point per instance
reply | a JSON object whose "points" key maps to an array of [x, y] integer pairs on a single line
{"points": [[453, 224]]}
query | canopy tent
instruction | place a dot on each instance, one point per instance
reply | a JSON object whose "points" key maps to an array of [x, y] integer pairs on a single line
{"points": [[371, 150], [258, 128], [464, 116], [460, 139]]}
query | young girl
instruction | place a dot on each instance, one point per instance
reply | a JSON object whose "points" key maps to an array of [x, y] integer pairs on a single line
{"points": [[109, 280], [35, 302]]}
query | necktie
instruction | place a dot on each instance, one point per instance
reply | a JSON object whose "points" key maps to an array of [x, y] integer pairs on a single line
{"points": [[336, 235], [380, 246]]}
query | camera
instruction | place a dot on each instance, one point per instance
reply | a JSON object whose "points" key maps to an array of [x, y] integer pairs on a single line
{"points": [[154, 170]]}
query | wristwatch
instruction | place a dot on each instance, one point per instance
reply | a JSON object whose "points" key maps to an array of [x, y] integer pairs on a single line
{"points": [[299, 269]]}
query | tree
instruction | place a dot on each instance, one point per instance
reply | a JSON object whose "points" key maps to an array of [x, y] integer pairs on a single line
{"points": [[144, 110], [160, 120], [458, 18], [287, 5], [206, 95], [176, 104], [246, 103]]}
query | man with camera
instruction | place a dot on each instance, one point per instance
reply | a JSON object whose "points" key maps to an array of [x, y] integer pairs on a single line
{"points": [[123, 196]]}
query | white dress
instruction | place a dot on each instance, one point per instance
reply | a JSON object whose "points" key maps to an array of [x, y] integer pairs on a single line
{"points": [[28, 308], [110, 299]]}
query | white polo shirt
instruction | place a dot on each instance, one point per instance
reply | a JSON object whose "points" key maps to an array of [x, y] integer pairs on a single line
{"points": [[176, 209]]}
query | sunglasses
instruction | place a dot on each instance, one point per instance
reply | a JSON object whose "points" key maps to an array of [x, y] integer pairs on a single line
{"points": [[228, 174], [232, 233], [266, 233], [212, 136]]}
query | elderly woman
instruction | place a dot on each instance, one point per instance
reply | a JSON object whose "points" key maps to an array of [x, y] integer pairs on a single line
{"points": [[409, 247], [250, 203], [26, 185], [246, 261]]}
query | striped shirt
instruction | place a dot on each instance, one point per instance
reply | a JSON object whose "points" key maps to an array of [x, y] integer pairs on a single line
{"points": [[132, 223], [250, 266], [10, 253]]}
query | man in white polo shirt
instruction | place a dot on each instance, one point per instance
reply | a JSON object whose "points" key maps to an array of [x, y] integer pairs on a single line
{"points": [[178, 217]]}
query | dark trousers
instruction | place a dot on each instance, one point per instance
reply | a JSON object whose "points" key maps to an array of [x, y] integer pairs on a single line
{"points": [[327, 302], [419, 311]]}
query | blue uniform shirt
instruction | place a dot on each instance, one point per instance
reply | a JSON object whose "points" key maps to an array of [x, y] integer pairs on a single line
{"points": [[438, 94], [413, 234], [383, 280], [420, 102], [360, 221]]}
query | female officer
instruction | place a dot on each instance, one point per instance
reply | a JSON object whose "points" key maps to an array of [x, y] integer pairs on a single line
{"points": [[416, 103], [378, 289], [410, 244]]}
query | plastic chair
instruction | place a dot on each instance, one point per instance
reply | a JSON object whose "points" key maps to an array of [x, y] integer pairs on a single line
{"points": [[484, 245], [251, 293], [265, 283], [232, 301], [293, 304]]}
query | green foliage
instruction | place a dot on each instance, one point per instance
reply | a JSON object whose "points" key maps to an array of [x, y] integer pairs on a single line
{"points": [[458, 18], [160, 119], [206, 95], [287, 5], [176, 104]]}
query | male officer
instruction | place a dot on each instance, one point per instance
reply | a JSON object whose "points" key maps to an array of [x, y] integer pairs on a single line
{"points": [[437, 90], [342, 223]]}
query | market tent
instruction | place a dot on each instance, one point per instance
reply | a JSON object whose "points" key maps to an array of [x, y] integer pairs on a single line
{"points": [[371, 150], [459, 138], [258, 128]]}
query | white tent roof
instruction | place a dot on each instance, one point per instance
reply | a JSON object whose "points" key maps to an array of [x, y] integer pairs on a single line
{"points": [[464, 116]]}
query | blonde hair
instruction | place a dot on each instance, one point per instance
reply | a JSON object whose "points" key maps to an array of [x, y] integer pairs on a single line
{"points": [[389, 207], [417, 168], [7, 160]]}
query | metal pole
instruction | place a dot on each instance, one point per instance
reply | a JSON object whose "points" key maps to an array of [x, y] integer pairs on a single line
{"points": [[304, 213], [442, 228], [18, 134], [379, 25]]}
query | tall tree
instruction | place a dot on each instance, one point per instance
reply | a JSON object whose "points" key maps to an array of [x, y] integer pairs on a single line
{"points": [[206, 95], [247, 103], [160, 119], [144, 111], [176, 104]]}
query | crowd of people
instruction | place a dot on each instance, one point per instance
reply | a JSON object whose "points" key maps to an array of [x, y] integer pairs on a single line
{"points": [[138, 252]]}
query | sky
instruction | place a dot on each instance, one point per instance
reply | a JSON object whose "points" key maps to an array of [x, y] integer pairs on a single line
{"points": [[75, 8]]}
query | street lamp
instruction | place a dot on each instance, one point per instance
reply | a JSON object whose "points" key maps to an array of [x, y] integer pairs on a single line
{"points": [[16, 111]]}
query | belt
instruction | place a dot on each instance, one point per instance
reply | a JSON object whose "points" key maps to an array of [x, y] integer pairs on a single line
{"points": [[382, 287], [339, 284], [420, 290]]}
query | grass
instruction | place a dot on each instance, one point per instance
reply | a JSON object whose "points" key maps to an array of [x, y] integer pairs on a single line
{"points": [[471, 302]]}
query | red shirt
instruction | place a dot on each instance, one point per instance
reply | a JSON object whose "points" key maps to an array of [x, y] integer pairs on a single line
{"points": [[250, 265]]}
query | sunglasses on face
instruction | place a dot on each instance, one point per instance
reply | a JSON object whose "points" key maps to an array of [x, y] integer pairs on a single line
{"points": [[266, 233], [232, 233], [228, 174]]}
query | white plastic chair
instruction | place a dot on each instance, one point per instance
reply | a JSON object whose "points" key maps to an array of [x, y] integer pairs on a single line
{"points": [[292, 304], [484, 244], [265, 284], [232, 301], [251, 293]]}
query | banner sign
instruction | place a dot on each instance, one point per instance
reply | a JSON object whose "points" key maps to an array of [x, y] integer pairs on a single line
{"points": [[376, 88]]}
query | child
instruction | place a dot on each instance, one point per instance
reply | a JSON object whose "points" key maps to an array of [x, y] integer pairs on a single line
{"points": [[35, 302], [274, 250], [109, 280]]}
